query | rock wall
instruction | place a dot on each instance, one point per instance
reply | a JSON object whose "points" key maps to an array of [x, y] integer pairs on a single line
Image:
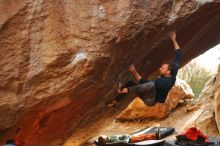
{"points": [[216, 82], [205, 109], [60, 60], [210, 94]]}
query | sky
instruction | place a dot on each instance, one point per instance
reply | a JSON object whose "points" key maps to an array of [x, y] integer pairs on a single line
{"points": [[210, 59]]}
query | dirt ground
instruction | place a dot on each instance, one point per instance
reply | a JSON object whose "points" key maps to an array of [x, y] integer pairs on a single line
{"points": [[108, 126]]}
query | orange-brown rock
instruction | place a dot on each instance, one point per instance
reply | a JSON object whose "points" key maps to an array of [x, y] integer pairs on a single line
{"points": [[61, 59], [138, 110]]}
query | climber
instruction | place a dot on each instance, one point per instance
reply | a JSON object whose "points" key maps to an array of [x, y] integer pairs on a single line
{"points": [[156, 90]]}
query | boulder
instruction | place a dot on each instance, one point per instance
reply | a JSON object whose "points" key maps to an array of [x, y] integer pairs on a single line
{"points": [[138, 110]]}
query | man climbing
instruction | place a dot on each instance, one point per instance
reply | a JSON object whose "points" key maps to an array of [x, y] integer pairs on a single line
{"points": [[153, 91]]}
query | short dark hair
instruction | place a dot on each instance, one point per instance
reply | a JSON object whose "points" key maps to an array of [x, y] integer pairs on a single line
{"points": [[170, 66]]}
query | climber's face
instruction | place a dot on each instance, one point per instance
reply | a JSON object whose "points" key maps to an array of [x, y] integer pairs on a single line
{"points": [[164, 69]]}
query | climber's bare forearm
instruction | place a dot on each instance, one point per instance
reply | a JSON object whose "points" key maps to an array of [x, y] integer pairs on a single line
{"points": [[175, 44], [172, 36]]}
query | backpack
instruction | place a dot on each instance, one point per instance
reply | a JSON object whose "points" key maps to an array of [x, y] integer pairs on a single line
{"points": [[193, 137]]}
